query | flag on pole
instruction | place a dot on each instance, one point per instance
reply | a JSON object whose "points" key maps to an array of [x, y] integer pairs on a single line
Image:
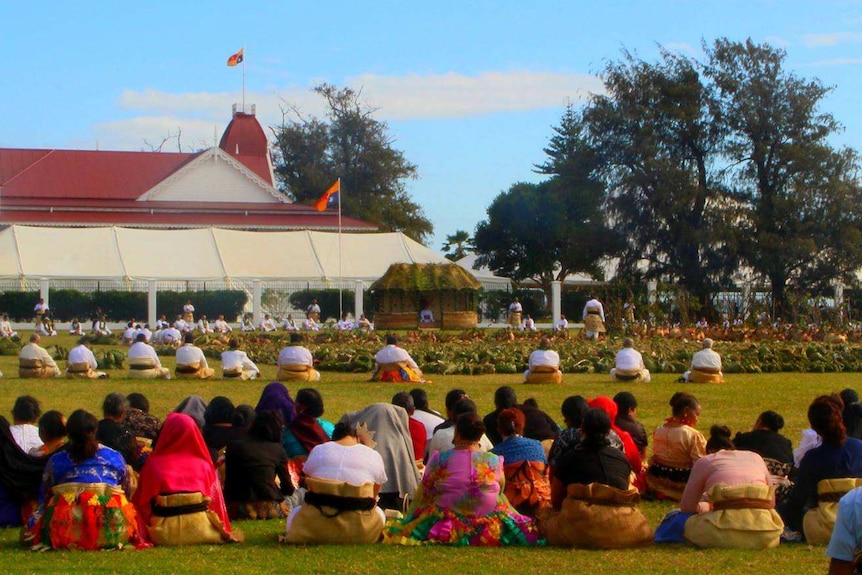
{"points": [[329, 196], [236, 58]]}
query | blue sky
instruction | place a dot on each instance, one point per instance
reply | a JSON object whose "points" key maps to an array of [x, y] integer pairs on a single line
{"points": [[470, 90]]}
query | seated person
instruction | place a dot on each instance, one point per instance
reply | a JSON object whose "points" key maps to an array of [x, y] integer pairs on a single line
{"points": [[525, 465], [267, 324], [538, 424], [677, 445], [128, 337], [345, 323], [6, 328], [191, 361], [562, 324], [629, 364], [236, 364], [544, 365], [52, 434], [144, 363], [169, 336], [310, 324], [594, 506], [426, 317], [775, 449], [626, 419], [113, 432], [252, 465], [182, 325], [34, 361], [290, 323], [529, 324], [344, 478], [364, 323], [393, 363], [85, 486], [444, 436], [417, 430], [75, 328], [844, 545], [221, 326], [25, 414], [100, 326], [204, 325], [247, 324], [308, 429], [46, 328], [20, 478], [143, 330], [705, 365], [295, 362], [162, 322], [82, 363], [143, 425], [739, 510], [826, 473], [179, 473], [461, 501]]}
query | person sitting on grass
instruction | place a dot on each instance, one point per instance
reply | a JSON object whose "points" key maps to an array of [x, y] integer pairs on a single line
{"points": [[775, 449], [295, 362], [52, 433], [393, 363], [629, 364], [705, 365], [144, 363], [739, 509], [544, 365], [20, 477], [25, 414], [627, 407], [34, 361], [677, 445], [525, 465], [235, 363], [82, 363], [191, 361]]}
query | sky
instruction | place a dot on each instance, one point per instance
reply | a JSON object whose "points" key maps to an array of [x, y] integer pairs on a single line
{"points": [[470, 90]]}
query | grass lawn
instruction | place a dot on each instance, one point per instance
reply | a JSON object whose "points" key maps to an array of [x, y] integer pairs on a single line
{"points": [[736, 404]]}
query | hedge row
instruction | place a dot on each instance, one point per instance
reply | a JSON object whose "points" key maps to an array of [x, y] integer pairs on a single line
{"points": [[121, 305]]}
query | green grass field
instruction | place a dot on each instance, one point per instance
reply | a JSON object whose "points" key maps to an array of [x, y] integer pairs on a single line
{"points": [[736, 404]]}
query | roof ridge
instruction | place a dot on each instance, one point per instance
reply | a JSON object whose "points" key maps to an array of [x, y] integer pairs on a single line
{"points": [[27, 169]]}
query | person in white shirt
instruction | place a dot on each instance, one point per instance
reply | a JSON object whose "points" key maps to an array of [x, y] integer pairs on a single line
{"points": [[393, 363], [189, 312], [34, 361], [221, 326], [100, 326], [443, 439], [313, 310], [594, 318], [40, 310], [181, 325], [75, 328], [170, 336], [148, 335], [309, 324], [290, 323], [6, 328], [81, 363], [423, 413], [629, 364], [25, 413], [46, 328], [705, 365], [129, 334], [426, 316], [529, 324], [204, 325], [295, 362], [236, 364], [544, 365], [191, 361], [702, 323], [162, 323], [515, 311], [247, 325], [144, 363], [562, 324], [364, 323], [267, 325], [345, 324]]}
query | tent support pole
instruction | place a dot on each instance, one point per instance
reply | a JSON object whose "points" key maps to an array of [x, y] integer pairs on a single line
{"points": [[45, 290], [152, 313], [257, 296], [556, 299], [358, 290]]}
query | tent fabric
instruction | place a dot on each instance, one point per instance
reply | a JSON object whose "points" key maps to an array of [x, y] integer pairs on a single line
{"points": [[210, 254]]}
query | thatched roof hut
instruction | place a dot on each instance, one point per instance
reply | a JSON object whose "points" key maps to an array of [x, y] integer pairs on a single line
{"points": [[448, 290]]}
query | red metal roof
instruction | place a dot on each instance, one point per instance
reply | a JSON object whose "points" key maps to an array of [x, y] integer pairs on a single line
{"points": [[82, 174], [245, 140]]}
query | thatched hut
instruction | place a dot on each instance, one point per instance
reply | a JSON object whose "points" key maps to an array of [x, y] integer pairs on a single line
{"points": [[448, 290]]}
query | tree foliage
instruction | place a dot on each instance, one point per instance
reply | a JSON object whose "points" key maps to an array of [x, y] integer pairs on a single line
{"points": [[349, 143], [458, 245]]}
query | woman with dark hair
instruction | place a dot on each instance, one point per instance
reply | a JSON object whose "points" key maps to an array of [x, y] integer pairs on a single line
{"points": [[825, 474], [308, 430], [343, 477], [739, 509], [630, 448], [20, 477], [218, 428], [179, 475], [775, 449], [852, 414], [52, 432], [525, 467], [461, 500], [574, 407], [252, 465], [84, 489], [593, 504], [676, 446], [627, 407]]}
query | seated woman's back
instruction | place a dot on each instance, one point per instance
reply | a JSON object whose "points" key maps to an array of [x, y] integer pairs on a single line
{"points": [[465, 481]]}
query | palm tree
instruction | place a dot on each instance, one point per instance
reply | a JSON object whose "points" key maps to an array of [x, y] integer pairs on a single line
{"points": [[458, 245]]}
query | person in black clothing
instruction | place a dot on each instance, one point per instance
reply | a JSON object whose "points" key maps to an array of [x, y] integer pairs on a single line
{"points": [[453, 397], [627, 420], [218, 429], [592, 461], [852, 414], [539, 425], [252, 464], [765, 440], [113, 433]]}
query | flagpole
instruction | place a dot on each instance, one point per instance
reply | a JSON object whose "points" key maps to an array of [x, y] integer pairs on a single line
{"points": [[243, 79], [340, 271]]}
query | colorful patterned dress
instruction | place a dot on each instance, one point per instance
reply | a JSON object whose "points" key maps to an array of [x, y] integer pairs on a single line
{"points": [[460, 502], [87, 507]]}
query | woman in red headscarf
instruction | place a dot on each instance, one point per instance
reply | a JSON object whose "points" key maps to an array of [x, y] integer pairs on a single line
{"points": [[633, 455], [178, 487]]}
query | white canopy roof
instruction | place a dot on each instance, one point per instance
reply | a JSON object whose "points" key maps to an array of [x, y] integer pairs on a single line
{"points": [[202, 254]]}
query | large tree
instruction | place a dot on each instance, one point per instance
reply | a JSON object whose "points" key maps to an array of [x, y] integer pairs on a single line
{"points": [[801, 195], [458, 245], [352, 145], [658, 146]]}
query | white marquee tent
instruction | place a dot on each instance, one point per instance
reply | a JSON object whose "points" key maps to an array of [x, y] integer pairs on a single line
{"points": [[114, 253]]}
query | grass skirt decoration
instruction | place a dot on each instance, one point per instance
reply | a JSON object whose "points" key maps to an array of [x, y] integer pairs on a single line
{"points": [[86, 517]]}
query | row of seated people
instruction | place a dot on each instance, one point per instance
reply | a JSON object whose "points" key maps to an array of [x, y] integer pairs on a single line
{"points": [[568, 494]]}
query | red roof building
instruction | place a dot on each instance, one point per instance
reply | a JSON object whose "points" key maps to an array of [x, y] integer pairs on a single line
{"points": [[231, 186]]}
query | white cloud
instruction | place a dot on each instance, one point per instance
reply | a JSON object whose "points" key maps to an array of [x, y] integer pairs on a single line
{"points": [[442, 96], [838, 62], [812, 40], [682, 48], [778, 41]]}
